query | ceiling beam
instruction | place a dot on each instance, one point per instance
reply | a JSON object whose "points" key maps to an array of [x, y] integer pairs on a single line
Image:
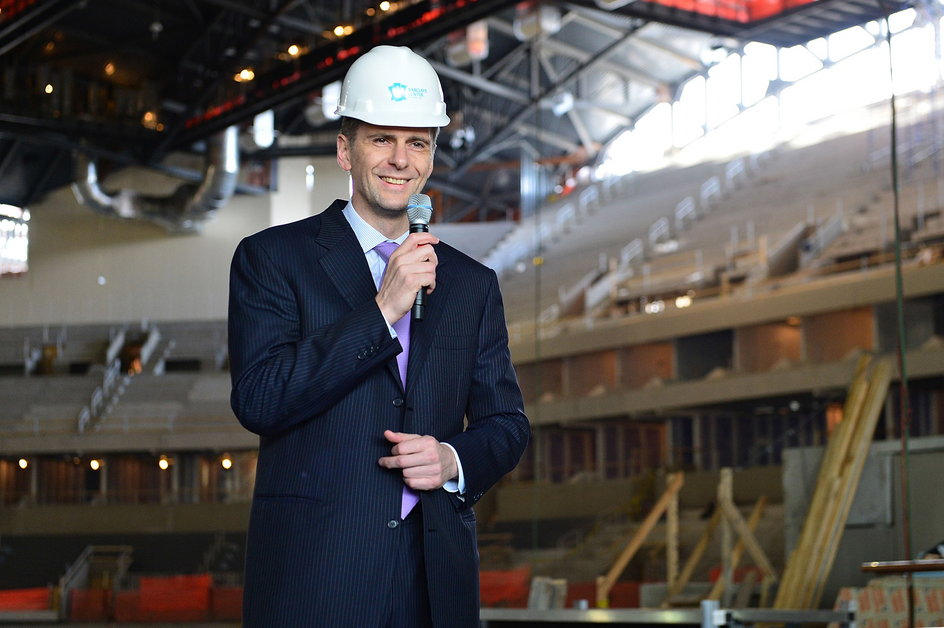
{"points": [[411, 26], [33, 20], [572, 115], [682, 57], [285, 20], [461, 193], [596, 58], [547, 137], [620, 69], [39, 185], [210, 91], [480, 83]]}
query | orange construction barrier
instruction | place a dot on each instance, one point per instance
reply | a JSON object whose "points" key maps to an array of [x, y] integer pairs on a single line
{"points": [[35, 599], [176, 598], [89, 605], [507, 588], [624, 594], [128, 606]]}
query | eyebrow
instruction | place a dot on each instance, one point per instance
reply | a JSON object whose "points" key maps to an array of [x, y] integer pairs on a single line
{"points": [[390, 136]]}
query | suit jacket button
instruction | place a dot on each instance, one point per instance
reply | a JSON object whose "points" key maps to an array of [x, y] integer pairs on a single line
{"points": [[397, 402], [361, 355], [392, 523]]}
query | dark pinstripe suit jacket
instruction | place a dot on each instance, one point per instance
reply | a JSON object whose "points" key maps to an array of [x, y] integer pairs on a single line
{"points": [[314, 375]]}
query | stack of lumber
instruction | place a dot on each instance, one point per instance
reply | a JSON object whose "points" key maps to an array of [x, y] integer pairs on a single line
{"points": [[810, 563]]}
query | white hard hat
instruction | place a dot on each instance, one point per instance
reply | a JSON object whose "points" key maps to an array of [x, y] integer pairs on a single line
{"points": [[393, 86]]}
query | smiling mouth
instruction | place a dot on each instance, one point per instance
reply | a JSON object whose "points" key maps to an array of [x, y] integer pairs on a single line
{"points": [[394, 180]]}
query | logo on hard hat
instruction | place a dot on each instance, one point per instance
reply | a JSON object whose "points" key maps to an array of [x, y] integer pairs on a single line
{"points": [[400, 92]]}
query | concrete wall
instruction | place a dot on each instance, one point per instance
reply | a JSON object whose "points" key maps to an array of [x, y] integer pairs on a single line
{"points": [[125, 519], [90, 268], [521, 502]]}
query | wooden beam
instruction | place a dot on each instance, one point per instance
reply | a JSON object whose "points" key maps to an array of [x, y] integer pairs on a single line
{"points": [[605, 583], [731, 513], [789, 592], [697, 552], [852, 472], [738, 551], [672, 540]]}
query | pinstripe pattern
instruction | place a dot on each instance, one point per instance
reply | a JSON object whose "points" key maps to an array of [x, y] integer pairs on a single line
{"points": [[314, 375]]}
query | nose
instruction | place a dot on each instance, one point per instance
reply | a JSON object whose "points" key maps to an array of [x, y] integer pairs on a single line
{"points": [[398, 155]]}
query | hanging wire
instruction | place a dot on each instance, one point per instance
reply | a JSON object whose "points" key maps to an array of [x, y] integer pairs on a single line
{"points": [[529, 210], [904, 411]]}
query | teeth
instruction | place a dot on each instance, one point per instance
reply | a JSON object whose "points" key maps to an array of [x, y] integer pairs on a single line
{"points": [[392, 180]]}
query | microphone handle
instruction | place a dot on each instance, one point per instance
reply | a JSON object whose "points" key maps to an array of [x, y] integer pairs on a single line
{"points": [[419, 305]]}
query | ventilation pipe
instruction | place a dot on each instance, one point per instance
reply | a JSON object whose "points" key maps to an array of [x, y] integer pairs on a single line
{"points": [[186, 209]]}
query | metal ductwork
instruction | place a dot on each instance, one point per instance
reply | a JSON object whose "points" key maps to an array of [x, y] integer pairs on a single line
{"points": [[187, 208]]}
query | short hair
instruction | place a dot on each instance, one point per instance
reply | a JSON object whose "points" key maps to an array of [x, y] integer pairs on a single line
{"points": [[350, 125]]}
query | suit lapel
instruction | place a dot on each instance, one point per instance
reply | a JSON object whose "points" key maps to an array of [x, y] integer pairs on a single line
{"points": [[345, 264]]}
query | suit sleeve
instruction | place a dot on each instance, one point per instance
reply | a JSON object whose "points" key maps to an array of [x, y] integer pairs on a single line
{"points": [[280, 378], [498, 430]]}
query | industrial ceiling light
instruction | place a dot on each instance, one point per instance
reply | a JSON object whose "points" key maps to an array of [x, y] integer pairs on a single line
{"points": [[562, 103], [149, 120], [245, 75], [23, 463], [263, 129]]}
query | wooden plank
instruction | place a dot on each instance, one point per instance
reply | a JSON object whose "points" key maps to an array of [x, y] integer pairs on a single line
{"points": [[730, 512], [789, 594], [606, 582], [852, 470], [697, 552], [725, 496], [672, 540], [738, 551], [832, 483]]}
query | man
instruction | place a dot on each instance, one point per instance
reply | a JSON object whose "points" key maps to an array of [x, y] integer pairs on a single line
{"points": [[315, 330]]}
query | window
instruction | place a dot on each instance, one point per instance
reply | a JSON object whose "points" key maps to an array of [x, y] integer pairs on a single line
{"points": [[14, 240]]}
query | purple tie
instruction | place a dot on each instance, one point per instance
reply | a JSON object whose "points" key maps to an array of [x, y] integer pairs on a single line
{"points": [[402, 327]]}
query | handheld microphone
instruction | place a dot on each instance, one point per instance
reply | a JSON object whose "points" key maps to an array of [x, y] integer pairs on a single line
{"points": [[419, 209]]}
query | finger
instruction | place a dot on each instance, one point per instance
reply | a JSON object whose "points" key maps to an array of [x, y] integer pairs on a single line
{"points": [[426, 445], [420, 238], [398, 437], [405, 461]]}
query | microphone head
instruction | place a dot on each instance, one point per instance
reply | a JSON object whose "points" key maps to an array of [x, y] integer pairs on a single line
{"points": [[419, 209]]}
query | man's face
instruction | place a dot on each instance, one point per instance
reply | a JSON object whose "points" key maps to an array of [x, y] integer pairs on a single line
{"points": [[387, 165]]}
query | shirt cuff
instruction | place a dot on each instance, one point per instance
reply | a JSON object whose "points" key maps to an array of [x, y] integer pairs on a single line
{"points": [[455, 485]]}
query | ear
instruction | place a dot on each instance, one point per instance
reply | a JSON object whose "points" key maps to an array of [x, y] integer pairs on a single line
{"points": [[344, 153]]}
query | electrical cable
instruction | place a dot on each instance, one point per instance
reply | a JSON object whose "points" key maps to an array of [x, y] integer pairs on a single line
{"points": [[904, 417], [904, 411]]}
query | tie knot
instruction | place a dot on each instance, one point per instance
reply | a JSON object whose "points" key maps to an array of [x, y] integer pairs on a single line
{"points": [[385, 249]]}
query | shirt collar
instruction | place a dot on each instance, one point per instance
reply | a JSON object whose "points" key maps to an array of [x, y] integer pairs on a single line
{"points": [[367, 236]]}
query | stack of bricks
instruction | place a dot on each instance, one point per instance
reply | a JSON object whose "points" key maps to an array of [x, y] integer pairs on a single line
{"points": [[884, 602]]}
